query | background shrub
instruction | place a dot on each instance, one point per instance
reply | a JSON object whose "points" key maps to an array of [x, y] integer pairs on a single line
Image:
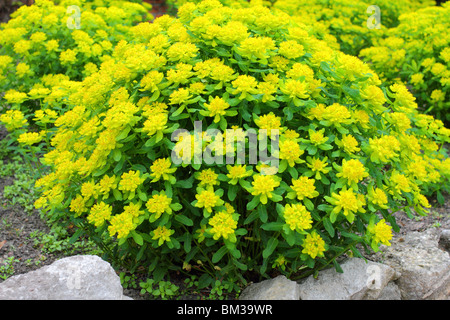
{"points": [[38, 50], [403, 54]]}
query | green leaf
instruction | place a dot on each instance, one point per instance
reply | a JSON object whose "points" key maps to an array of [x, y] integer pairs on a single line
{"points": [[142, 195], [328, 226], [191, 254], [184, 220], [219, 254], [289, 236], [101, 171], [185, 184], [440, 197], [187, 242], [356, 252], [117, 195], [251, 217], [325, 207], [235, 252], [336, 154], [177, 112], [252, 204], [240, 265], [312, 150], [176, 206], [223, 124], [204, 281], [233, 102], [326, 147], [75, 236], [276, 197], [350, 235], [288, 112], [333, 216], [272, 226], [283, 166], [308, 204], [337, 267], [159, 273], [262, 212], [141, 252], [325, 180], [124, 133], [340, 183], [232, 192], [119, 165], [263, 268], [137, 238], [154, 96], [293, 172], [270, 248]]}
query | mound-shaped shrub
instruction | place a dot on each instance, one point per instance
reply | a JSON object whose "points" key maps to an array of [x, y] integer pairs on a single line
{"points": [[231, 142], [45, 44], [417, 52], [349, 20]]}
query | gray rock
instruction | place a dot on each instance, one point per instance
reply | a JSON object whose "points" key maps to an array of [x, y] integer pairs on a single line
{"points": [[360, 280], [424, 267], [390, 292], [84, 277], [279, 288], [444, 240]]}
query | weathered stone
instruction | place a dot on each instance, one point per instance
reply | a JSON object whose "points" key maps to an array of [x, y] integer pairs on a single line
{"points": [[390, 292], [84, 277], [444, 240], [424, 267], [279, 288], [360, 280]]}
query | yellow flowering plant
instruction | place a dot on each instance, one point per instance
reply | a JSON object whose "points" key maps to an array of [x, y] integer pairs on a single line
{"points": [[45, 49], [353, 25], [189, 151], [417, 53]]}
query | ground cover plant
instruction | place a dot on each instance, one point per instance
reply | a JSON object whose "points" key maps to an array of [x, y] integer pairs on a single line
{"points": [[232, 143]]}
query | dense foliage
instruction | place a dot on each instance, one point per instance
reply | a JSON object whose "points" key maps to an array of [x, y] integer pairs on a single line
{"points": [[41, 46], [230, 140], [402, 54]]}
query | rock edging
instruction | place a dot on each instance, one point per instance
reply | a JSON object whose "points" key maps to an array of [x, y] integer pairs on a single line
{"points": [[415, 267], [82, 277]]}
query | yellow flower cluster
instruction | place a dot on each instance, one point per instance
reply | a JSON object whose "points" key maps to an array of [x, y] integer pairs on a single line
{"points": [[13, 119], [297, 217], [223, 225]]}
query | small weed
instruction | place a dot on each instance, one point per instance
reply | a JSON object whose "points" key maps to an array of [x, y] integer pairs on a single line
{"points": [[22, 191], [59, 241], [128, 281], [5, 225], [162, 290], [7, 268]]}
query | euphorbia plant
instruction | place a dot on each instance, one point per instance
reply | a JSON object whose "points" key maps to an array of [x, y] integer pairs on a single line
{"points": [[141, 161]]}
